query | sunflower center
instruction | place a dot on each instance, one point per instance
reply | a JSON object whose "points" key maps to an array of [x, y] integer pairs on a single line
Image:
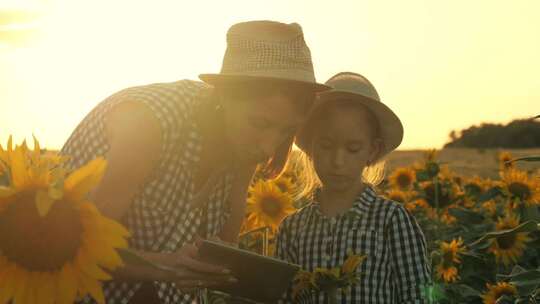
{"points": [[282, 185], [31, 241], [502, 291], [473, 189], [397, 198], [443, 196], [506, 241], [520, 190], [270, 207], [404, 180], [448, 259]]}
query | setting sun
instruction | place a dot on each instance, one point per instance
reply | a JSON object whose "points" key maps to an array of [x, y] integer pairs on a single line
{"points": [[441, 66]]}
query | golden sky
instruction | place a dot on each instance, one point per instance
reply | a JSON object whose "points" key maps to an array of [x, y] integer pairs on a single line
{"points": [[441, 65]]}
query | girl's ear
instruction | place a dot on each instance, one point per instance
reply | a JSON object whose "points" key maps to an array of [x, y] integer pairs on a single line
{"points": [[376, 149]]}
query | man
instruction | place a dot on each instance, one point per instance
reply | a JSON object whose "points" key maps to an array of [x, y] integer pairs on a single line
{"points": [[181, 155]]}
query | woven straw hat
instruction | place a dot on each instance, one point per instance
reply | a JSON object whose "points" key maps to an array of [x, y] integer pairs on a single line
{"points": [[352, 86], [268, 50]]}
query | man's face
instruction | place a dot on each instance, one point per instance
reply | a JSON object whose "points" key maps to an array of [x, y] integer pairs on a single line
{"points": [[256, 128]]}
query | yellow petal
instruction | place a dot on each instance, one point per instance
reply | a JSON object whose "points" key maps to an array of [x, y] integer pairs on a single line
{"points": [[6, 191], [67, 285], [80, 182], [44, 288], [21, 281], [37, 150], [91, 286], [7, 282], [19, 173], [86, 264], [43, 202]]}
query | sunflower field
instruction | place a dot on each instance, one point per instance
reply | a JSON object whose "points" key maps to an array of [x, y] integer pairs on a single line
{"points": [[483, 234]]}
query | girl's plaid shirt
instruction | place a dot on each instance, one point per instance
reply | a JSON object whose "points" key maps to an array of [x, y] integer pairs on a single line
{"points": [[396, 270]]}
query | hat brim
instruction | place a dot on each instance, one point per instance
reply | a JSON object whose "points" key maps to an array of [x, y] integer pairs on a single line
{"points": [[223, 79], [390, 125]]}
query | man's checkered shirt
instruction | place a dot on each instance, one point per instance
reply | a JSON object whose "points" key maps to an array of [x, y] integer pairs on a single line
{"points": [[160, 218]]}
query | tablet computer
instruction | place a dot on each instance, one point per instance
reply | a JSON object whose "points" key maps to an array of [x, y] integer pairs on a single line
{"points": [[260, 278]]}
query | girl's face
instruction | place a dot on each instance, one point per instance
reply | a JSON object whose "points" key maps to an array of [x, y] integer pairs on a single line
{"points": [[256, 128], [342, 147]]}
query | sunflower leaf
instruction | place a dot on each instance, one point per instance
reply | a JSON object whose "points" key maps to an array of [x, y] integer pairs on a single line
{"points": [[524, 227], [520, 275], [422, 176], [490, 194], [527, 158], [466, 291], [466, 215]]}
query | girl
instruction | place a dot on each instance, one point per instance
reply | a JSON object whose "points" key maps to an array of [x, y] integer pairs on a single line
{"points": [[346, 134]]}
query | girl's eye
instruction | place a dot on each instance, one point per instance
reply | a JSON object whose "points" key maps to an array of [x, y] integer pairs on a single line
{"points": [[354, 149]]}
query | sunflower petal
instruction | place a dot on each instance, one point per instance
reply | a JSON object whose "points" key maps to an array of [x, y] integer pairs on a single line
{"points": [[6, 191], [93, 287], [8, 283], [80, 182], [43, 202], [21, 281], [67, 285], [19, 173], [86, 264], [44, 291]]}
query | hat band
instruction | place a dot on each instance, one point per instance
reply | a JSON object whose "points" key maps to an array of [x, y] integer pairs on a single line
{"points": [[296, 75]]}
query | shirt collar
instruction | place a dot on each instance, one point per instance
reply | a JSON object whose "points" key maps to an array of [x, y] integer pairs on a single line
{"points": [[361, 204]]}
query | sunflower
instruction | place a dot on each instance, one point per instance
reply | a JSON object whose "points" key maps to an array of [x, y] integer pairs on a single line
{"points": [[490, 207], [508, 248], [494, 292], [504, 158], [518, 186], [441, 194], [268, 205], [450, 257], [398, 196], [54, 245], [402, 178], [402, 197], [474, 186], [442, 214]]}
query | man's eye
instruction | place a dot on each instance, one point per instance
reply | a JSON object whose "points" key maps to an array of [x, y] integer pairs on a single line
{"points": [[258, 123], [289, 131], [354, 149], [325, 144]]}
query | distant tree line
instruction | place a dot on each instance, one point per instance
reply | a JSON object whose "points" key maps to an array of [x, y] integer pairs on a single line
{"points": [[524, 133]]}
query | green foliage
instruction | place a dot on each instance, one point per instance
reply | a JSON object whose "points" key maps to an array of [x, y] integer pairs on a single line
{"points": [[517, 134]]}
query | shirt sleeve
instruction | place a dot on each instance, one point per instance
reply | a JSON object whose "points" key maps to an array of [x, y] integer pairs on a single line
{"points": [[408, 257]]}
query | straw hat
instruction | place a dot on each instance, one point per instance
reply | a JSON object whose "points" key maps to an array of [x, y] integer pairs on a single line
{"points": [[266, 50], [352, 86]]}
